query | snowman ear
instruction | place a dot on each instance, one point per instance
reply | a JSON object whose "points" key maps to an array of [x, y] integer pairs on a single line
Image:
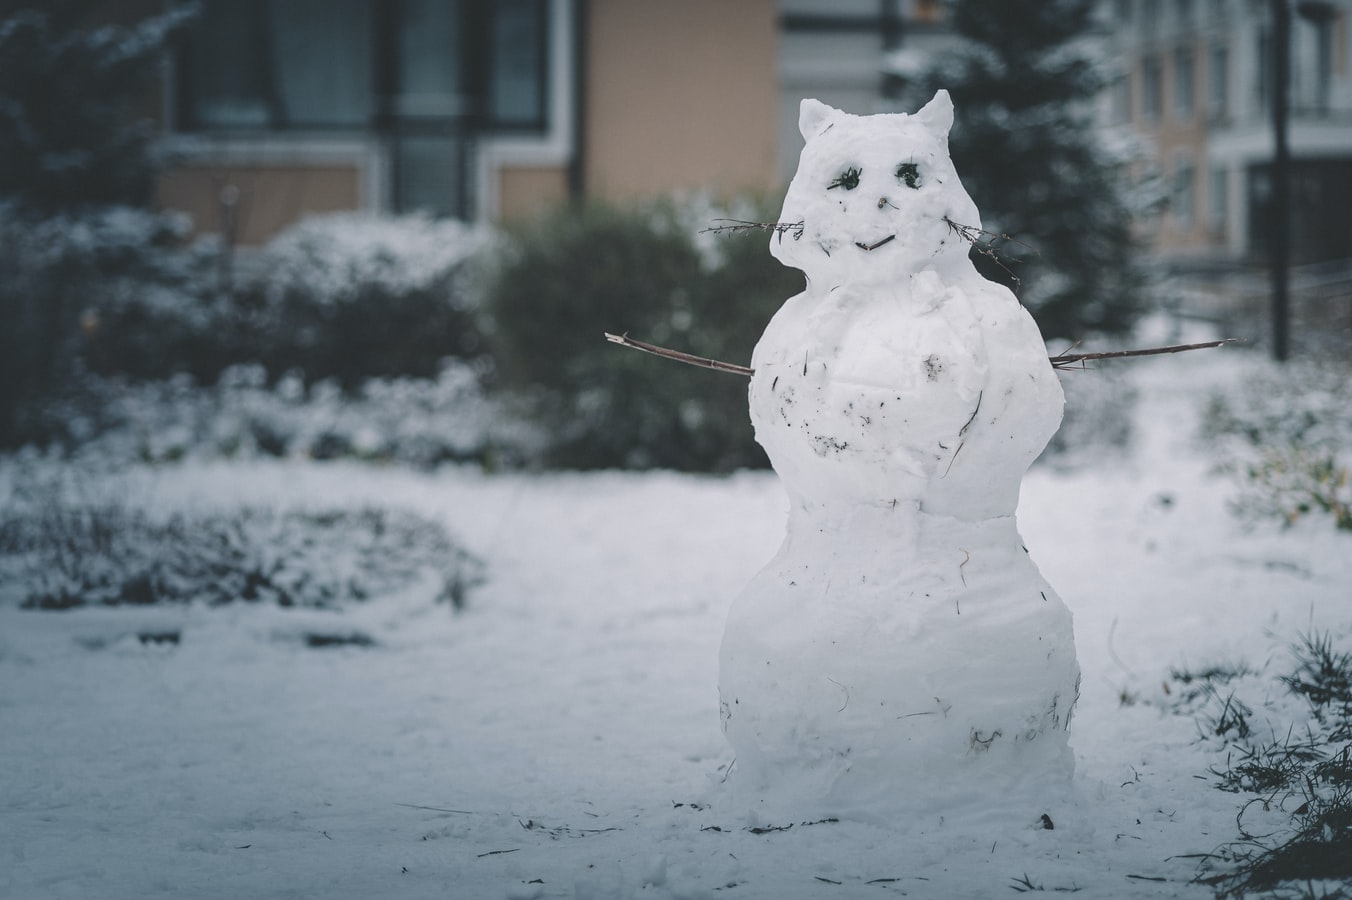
{"points": [[937, 115], [813, 115]]}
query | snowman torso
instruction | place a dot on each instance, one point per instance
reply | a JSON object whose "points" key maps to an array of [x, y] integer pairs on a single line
{"points": [[907, 392], [901, 649]]}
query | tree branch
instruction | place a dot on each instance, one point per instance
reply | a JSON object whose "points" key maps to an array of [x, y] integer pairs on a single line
{"points": [[624, 340], [1071, 360]]}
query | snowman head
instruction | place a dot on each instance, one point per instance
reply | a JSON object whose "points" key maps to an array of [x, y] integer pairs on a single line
{"points": [[872, 194]]}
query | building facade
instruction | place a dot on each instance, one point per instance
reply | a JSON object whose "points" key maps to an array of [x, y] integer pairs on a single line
{"points": [[466, 108], [494, 110], [1195, 80]]}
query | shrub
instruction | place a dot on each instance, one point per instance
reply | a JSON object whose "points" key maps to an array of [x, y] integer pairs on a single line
{"points": [[561, 282], [1285, 434], [351, 296], [61, 555], [58, 277], [422, 422], [116, 292]]}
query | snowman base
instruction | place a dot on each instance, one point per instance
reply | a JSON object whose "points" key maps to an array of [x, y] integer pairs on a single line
{"points": [[946, 683]]}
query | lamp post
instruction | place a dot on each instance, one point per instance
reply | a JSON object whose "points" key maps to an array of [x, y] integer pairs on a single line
{"points": [[1281, 180]]}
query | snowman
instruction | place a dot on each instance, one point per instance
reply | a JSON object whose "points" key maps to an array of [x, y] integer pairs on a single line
{"points": [[901, 653]]}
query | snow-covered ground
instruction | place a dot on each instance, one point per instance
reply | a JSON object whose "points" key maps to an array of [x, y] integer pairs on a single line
{"points": [[560, 737]]}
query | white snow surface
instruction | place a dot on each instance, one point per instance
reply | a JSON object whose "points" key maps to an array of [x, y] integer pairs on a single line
{"points": [[560, 738]]}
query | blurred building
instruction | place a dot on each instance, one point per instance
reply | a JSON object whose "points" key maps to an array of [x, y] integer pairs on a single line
{"points": [[492, 110], [464, 108], [1195, 80]]}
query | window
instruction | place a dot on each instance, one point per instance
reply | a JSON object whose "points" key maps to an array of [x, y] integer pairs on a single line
{"points": [[299, 64], [1218, 82], [430, 76], [1150, 88], [1121, 100], [1319, 19], [1149, 19], [1219, 200], [1263, 82], [281, 64], [1184, 195], [517, 64], [1184, 79], [429, 81]]}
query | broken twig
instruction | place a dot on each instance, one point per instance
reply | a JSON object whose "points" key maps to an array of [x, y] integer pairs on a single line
{"points": [[624, 340], [1070, 360]]}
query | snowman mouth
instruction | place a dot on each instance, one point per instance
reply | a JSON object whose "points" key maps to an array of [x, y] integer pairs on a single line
{"points": [[874, 246]]}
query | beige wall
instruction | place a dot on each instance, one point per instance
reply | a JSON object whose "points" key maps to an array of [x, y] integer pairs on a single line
{"points": [[680, 95], [270, 197], [527, 192]]}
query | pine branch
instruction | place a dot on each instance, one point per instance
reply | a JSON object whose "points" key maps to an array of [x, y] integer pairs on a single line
{"points": [[1061, 363]]}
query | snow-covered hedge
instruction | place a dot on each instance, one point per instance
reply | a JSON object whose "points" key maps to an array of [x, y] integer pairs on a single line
{"points": [[350, 296], [60, 274], [60, 554], [417, 421], [345, 296], [116, 292], [1286, 433]]}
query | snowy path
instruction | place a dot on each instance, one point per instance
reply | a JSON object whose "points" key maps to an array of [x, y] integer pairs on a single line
{"points": [[566, 725]]}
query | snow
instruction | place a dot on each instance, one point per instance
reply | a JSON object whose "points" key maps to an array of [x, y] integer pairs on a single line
{"points": [[560, 738], [901, 654]]}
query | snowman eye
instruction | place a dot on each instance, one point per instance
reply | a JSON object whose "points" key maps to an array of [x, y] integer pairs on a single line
{"points": [[849, 180], [909, 174]]}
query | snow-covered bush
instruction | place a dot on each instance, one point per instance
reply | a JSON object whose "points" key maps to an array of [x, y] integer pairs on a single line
{"points": [[421, 422], [62, 279], [349, 296], [117, 292], [57, 554], [1286, 433], [561, 282]]}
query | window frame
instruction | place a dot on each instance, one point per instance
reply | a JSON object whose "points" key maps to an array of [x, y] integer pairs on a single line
{"points": [[383, 42]]}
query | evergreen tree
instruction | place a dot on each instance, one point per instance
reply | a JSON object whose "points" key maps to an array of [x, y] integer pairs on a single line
{"points": [[69, 134], [1024, 82], [73, 156]]}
